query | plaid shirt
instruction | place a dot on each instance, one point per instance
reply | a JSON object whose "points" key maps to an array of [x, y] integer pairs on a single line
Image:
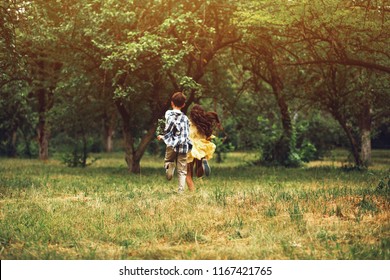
{"points": [[176, 132]]}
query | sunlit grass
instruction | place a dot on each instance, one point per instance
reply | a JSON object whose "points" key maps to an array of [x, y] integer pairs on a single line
{"points": [[319, 211]]}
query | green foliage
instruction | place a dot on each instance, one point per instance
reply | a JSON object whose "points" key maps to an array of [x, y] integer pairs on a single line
{"points": [[17, 121], [384, 184], [307, 151], [188, 84], [221, 148], [76, 152], [75, 121], [317, 135], [160, 127], [313, 137], [276, 148]]}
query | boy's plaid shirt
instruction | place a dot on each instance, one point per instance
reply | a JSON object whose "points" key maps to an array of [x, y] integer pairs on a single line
{"points": [[177, 138]]}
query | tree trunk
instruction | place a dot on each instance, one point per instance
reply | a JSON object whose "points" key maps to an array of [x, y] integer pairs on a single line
{"points": [[43, 138], [351, 139], [365, 134], [109, 146], [129, 148], [366, 147], [283, 147], [85, 149], [27, 143], [11, 149], [43, 141], [108, 132], [146, 139], [133, 156], [42, 131], [128, 139], [284, 113]]}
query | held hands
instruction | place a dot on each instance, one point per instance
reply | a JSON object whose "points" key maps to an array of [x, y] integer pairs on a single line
{"points": [[159, 137]]}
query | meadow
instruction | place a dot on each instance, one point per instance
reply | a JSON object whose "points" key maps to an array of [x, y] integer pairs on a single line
{"points": [[242, 211]]}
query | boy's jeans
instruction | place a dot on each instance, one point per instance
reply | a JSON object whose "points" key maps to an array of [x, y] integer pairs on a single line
{"points": [[181, 165]]}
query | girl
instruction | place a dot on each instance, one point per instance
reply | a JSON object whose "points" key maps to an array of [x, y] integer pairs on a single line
{"points": [[202, 124]]}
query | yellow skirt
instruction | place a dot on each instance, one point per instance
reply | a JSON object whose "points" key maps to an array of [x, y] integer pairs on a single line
{"points": [[201, 148]]}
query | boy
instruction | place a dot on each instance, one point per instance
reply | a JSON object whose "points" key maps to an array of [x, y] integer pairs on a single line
{"points": [[175, 136]]}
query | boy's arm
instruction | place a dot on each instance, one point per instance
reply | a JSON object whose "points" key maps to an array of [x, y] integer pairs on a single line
{"points": [[166, 133], [168, 124]]}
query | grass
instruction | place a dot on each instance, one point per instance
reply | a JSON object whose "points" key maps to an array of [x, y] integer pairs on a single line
{"points": [[320, 211]]}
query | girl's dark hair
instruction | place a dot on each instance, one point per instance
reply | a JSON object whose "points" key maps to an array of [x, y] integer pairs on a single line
{"points": [[204, 121]]}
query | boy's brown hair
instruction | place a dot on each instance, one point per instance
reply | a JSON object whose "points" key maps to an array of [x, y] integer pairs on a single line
{"points": [[179, 99]]}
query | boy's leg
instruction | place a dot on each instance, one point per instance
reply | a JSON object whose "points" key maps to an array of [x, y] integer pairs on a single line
{"points": [[181, 170], [169, 162]]}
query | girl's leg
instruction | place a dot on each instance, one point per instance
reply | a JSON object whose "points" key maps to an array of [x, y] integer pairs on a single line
{"points": [[199, 168], [190, 174]]}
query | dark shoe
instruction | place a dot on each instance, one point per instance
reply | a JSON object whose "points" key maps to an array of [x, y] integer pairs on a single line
{"points": [[170, 169], [206, 167]]}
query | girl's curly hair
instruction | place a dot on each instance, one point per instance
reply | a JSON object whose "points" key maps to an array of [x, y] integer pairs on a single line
{"points": [[204, 121]]}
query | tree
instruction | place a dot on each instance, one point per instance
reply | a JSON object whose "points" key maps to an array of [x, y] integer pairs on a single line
{"points": [[17, 120], [324, 34], [352, 34], [34, 51], [263, 45], [142, 50], [76, 114]]}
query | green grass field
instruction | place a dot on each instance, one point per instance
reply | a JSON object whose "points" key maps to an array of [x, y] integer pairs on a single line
{"points": [[320, 211]]}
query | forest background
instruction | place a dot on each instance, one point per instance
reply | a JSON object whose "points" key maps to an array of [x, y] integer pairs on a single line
{"points": [[290, 79]]}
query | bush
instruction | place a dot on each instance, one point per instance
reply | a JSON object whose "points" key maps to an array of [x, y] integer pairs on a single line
{"points": [[76, 152], [317, 135], [308, 151], [311, 139], [222, 148]]}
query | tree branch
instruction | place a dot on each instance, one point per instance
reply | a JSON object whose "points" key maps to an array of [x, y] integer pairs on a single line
{"points": [[347, 62]]}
